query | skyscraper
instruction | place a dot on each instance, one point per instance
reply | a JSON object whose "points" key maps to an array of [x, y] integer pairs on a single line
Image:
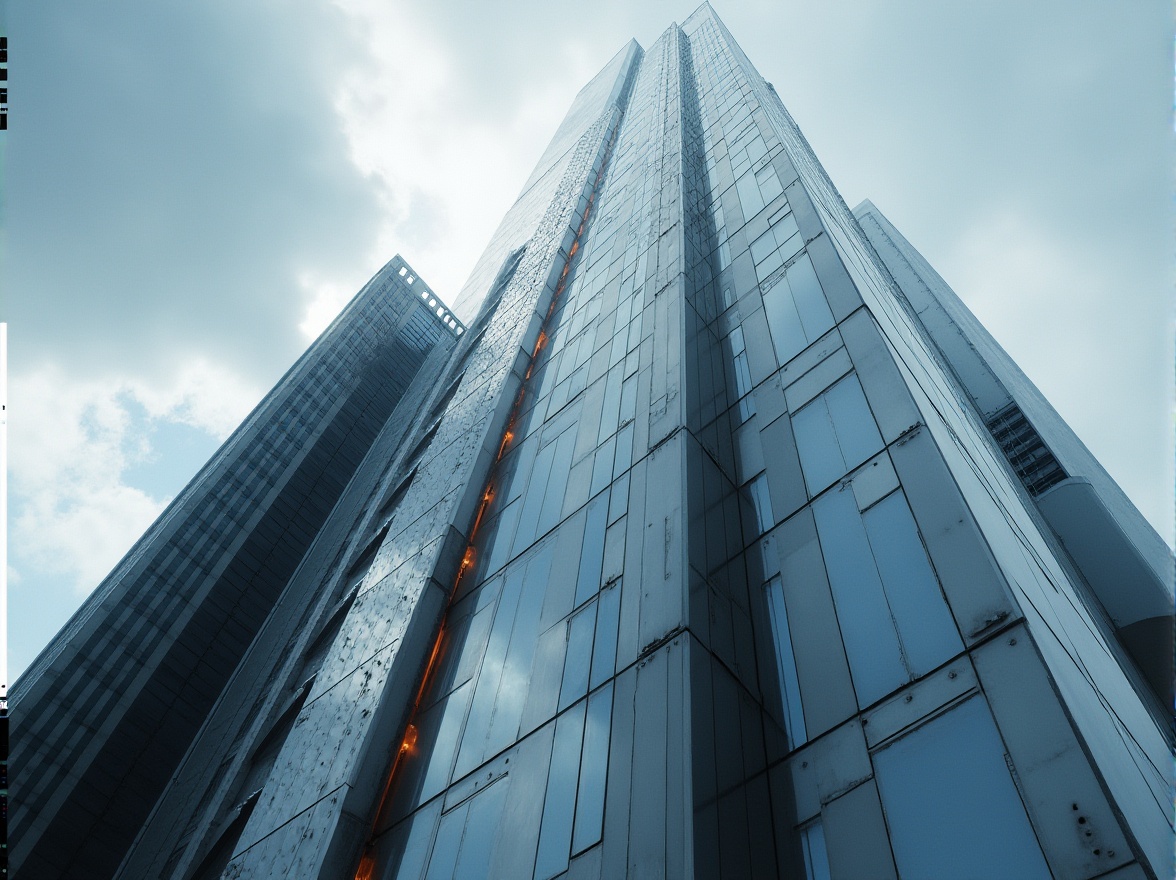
{"points": [[104, 714], [723, 543]]}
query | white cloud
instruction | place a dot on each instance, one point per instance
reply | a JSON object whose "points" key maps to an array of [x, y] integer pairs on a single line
{"points": [[326, 298], [72, 513], [201, 394], [446, 168]]}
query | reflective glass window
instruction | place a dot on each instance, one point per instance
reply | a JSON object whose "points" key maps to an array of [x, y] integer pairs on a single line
{"points": [[761, 499], [925, 625], [592, 550], [871, 642], [604, 649], [445, 848], [950, 801], [749, 195], [416, 847], [555, 831], [892, 613], [578, 657], [834, 433], [796, 308], [481, 831], [593, 771], [816, 857], [769, 183], [786, 663]]}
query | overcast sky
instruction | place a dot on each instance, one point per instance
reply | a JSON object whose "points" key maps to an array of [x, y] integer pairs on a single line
{"points": [[193, 190]]}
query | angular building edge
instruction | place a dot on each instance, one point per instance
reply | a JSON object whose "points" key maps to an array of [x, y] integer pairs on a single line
{"points": [[1127, 565]]}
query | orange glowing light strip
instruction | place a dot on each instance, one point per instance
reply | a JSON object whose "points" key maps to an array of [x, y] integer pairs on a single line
{"points": [[367, 863]]}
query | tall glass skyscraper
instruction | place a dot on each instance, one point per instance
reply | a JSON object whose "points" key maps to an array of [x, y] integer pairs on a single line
{"points": [[723, 543]]}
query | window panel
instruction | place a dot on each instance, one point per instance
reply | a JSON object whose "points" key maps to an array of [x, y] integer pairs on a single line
{"points": [[578, 659], [857, 433], [533, 500], [557, 482], [618, 503], [593, 771], [452, 713], [925, 624], [602, 465], [786, 664], [949, 801], [604, 651], [816, 443], [788, 336], [443, 859], [784, 226], [762, 246], [592, 550], [416, 848], [773, 262], [761, 499], [811, 304], [816, 857], [516, 668], [769, 183], [474, 739], [749, 195], [624, 451], [871, 642], [555, 832], [481, 831]]}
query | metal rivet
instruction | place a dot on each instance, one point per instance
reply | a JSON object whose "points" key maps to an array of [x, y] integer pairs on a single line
{"points": [[1012, 641], [951, 675]]}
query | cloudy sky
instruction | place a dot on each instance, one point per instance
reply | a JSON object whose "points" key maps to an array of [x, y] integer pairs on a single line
{"points": [[192, 191]]}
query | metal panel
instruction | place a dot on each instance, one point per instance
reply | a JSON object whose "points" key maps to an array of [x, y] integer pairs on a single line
{"points": [[816, 380], [894, 408], [974, 586], [785, 481], [523, 810], [919, 700], [948, 794], [855, 836], [647, 809], [873, 481], [841, 760], [821, 666], [1077, 828], [618, 796]]}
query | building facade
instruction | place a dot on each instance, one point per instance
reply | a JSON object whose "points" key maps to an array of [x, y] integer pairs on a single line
{"points": [[708, 550], [105, 713]]}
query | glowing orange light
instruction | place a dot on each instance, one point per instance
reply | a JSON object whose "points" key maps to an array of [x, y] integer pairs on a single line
{"points": [[410, 738], [366, 866], [506, 438]]}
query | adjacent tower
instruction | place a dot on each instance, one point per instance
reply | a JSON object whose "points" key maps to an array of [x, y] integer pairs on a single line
{"points": [[103, 716], [703, 553]]}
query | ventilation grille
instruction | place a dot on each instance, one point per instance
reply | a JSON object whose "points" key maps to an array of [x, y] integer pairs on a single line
{"points": [[1032, 461]]}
